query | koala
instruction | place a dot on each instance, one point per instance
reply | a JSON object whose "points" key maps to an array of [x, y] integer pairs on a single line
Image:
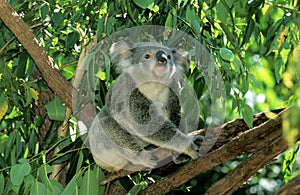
{"points": [[142, 112]]}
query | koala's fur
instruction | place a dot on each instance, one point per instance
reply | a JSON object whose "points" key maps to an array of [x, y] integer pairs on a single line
{"points": [[142, 108]]}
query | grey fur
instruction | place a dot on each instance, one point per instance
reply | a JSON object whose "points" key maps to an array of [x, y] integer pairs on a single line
{"points": [[142, 108]]}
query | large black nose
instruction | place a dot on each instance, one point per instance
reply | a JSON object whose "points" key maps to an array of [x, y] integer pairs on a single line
{"points": [[161, 57]]}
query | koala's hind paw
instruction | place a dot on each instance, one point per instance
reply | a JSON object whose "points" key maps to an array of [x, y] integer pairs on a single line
{"points": [[146, 159], [192, 151]]}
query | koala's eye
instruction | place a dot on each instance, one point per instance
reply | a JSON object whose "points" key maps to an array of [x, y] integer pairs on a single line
{"points": [[147, 56], [169, 57]]}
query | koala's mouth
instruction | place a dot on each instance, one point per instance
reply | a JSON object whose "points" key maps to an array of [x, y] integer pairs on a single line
{"points": [[160, 70]]}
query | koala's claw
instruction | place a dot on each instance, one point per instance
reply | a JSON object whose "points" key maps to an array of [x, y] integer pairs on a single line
{"points": [[193, 151]]}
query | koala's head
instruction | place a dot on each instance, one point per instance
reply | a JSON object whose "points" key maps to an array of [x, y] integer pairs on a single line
{"points": [[150, 59]]}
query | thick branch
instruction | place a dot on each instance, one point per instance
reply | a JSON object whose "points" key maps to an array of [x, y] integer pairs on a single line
{"points": [[291, 188], [229, 130], [45, 64], [232, 181], [246, 142]]}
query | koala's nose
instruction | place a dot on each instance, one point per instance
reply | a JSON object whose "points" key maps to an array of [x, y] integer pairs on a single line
{"points": [[161, 57]]}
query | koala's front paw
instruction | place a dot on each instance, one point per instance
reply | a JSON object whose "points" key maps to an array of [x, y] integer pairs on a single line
{"points": [[147, 159], [198, 139], [182, 158]]}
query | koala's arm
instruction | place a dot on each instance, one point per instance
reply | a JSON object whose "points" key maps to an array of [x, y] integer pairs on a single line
{"points": [[116, 133], [113, 147], [174, 109], [166, 134], [171, 138]]}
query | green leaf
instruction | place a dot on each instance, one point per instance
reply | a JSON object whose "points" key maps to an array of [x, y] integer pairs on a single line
{"points": [[237, 66], [72, 38], [19, 145], [253, 81], [2, 183], [191, 14], [19, 171], [100, 174], [247, 114], [196, 27], [42, 174], [222, 12], [169, 20], [154, 8], [28, 181], [44, 9], [79, 162], [57, 188], [57, 18], [28, 95], [135, 190], [9, 144], [21, 65], [279, 69], [244, 85], [248, 32], [143, 3], [3, 105], [71, 188], [226, 54], [56, 109], [288, 163], [241, 8], [89, 182], [38, 188], [100, 177]]}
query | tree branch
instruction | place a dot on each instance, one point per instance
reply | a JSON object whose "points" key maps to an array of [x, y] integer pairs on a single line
{"points": [[291, 188], [233, 180], [246, 142], [44, 62]]}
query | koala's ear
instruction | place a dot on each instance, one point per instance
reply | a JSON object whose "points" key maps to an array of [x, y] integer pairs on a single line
{"points": [[121, 49], [181, 58]]}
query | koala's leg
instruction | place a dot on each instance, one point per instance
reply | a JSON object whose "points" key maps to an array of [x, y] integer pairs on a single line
{"points": [[114, 145], [182, 158], [171, 138]]}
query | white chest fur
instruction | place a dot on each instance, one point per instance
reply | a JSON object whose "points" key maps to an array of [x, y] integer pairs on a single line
{"points": [[155, 91]]}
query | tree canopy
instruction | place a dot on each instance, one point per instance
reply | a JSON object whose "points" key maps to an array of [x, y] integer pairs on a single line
{"points": [[255, 46]]}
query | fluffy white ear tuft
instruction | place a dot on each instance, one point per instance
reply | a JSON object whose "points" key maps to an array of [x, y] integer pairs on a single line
{"points": [[181, 58], [121, 49]]}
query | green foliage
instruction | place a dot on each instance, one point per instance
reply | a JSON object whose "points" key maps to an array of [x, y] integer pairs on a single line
{"points": [[19, 171], [255, 45], [289, 162], [56, 110]]}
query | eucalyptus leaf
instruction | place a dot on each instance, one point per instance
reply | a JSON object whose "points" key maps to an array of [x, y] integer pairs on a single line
{"points": [[143, 3], [57, 18], [3, 105], [71, 187], [226, 54], [135, 190], [2, 183], [247, 114], [38, 188], [89, 182], [19, 171], [56, 109], [44, 9], [248, 31], [71, 39]]}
